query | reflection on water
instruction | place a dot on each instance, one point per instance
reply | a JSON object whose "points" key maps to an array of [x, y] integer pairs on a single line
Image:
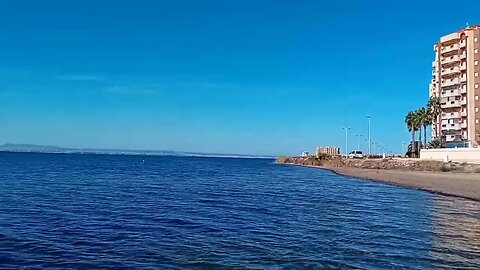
{"points": [[456, 229]]}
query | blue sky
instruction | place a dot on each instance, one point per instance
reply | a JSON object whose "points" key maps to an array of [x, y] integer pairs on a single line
{"points": [[251, 77]]}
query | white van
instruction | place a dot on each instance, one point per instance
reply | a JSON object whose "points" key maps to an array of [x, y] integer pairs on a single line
{"points": [[355, 154]]}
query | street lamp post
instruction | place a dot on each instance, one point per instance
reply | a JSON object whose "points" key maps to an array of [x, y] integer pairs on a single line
{"points": [[403, 149], [374, 149], [358, 141], [369, 136], [346, 140]]}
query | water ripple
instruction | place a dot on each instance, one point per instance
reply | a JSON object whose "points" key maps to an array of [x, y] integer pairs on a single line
{"points": [[110, 212]]}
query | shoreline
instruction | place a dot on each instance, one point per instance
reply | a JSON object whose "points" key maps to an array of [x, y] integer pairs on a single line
{"points": [[461, 185]]}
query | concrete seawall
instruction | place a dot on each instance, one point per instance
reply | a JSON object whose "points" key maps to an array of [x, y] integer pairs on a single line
{"points": [[469, 155]]}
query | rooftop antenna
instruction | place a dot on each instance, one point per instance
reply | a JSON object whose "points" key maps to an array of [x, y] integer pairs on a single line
{"points": [[467, 24]]}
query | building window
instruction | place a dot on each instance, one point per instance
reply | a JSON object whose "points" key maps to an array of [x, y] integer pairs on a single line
{"points": [[476, 121], [476, 97], [476, 109], [476, 74], [475, 39], [476, 62], [476, 85], [476, 50]]}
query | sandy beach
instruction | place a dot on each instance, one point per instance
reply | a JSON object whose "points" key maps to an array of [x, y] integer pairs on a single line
{"points": [[465, 185], [451, 179]]}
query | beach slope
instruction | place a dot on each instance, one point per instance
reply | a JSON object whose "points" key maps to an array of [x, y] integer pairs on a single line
{"points": [[465, 185], [453, 179]]}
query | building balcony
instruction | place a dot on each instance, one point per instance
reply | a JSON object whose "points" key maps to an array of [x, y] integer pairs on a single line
{"points": [[452, 104], [454, 126], [463, 79], [450, 71], [464, 102], [463, 90], [450, 82], [450, 59], [463, 125], [451, 115], [463, 56], [450, 48], [450, 37], [446, 131], [453, 138], [451, 93]]}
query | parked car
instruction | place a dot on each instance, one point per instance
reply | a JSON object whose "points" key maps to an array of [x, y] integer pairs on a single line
{"points": [[355, 154]]}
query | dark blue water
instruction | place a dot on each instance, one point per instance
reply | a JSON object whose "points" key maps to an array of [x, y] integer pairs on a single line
{"points": [[99, 211]]}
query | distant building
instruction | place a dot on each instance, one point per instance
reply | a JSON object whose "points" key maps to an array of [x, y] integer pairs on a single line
{"points": [[456, 80], [304, 154], [329, 150]]}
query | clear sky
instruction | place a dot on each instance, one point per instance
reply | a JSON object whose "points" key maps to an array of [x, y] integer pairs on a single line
{"points": [[226, 76]]}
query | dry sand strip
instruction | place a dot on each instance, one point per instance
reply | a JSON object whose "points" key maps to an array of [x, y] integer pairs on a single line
{"points": [[464, 185]]}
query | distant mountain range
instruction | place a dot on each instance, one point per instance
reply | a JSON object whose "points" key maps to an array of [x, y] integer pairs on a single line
{"points": [[9, 147], [30, 148]]}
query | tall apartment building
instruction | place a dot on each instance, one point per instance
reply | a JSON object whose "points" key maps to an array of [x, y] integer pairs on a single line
{"points": [[333, 151], [456, 81]]}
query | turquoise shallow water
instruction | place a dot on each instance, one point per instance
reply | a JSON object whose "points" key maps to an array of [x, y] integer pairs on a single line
{"points": [[99, 211]]}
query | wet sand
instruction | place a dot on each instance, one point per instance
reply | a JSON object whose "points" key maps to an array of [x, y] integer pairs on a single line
{"points": [[464, 185]]}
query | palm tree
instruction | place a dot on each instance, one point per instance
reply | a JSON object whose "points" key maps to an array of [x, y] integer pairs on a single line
{"points": [[418, 126], [435, 143], [410, 121], [424, 120], [434, 108]]}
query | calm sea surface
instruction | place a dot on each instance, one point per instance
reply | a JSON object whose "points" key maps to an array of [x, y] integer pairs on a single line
{"points": [[98, 211]]}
